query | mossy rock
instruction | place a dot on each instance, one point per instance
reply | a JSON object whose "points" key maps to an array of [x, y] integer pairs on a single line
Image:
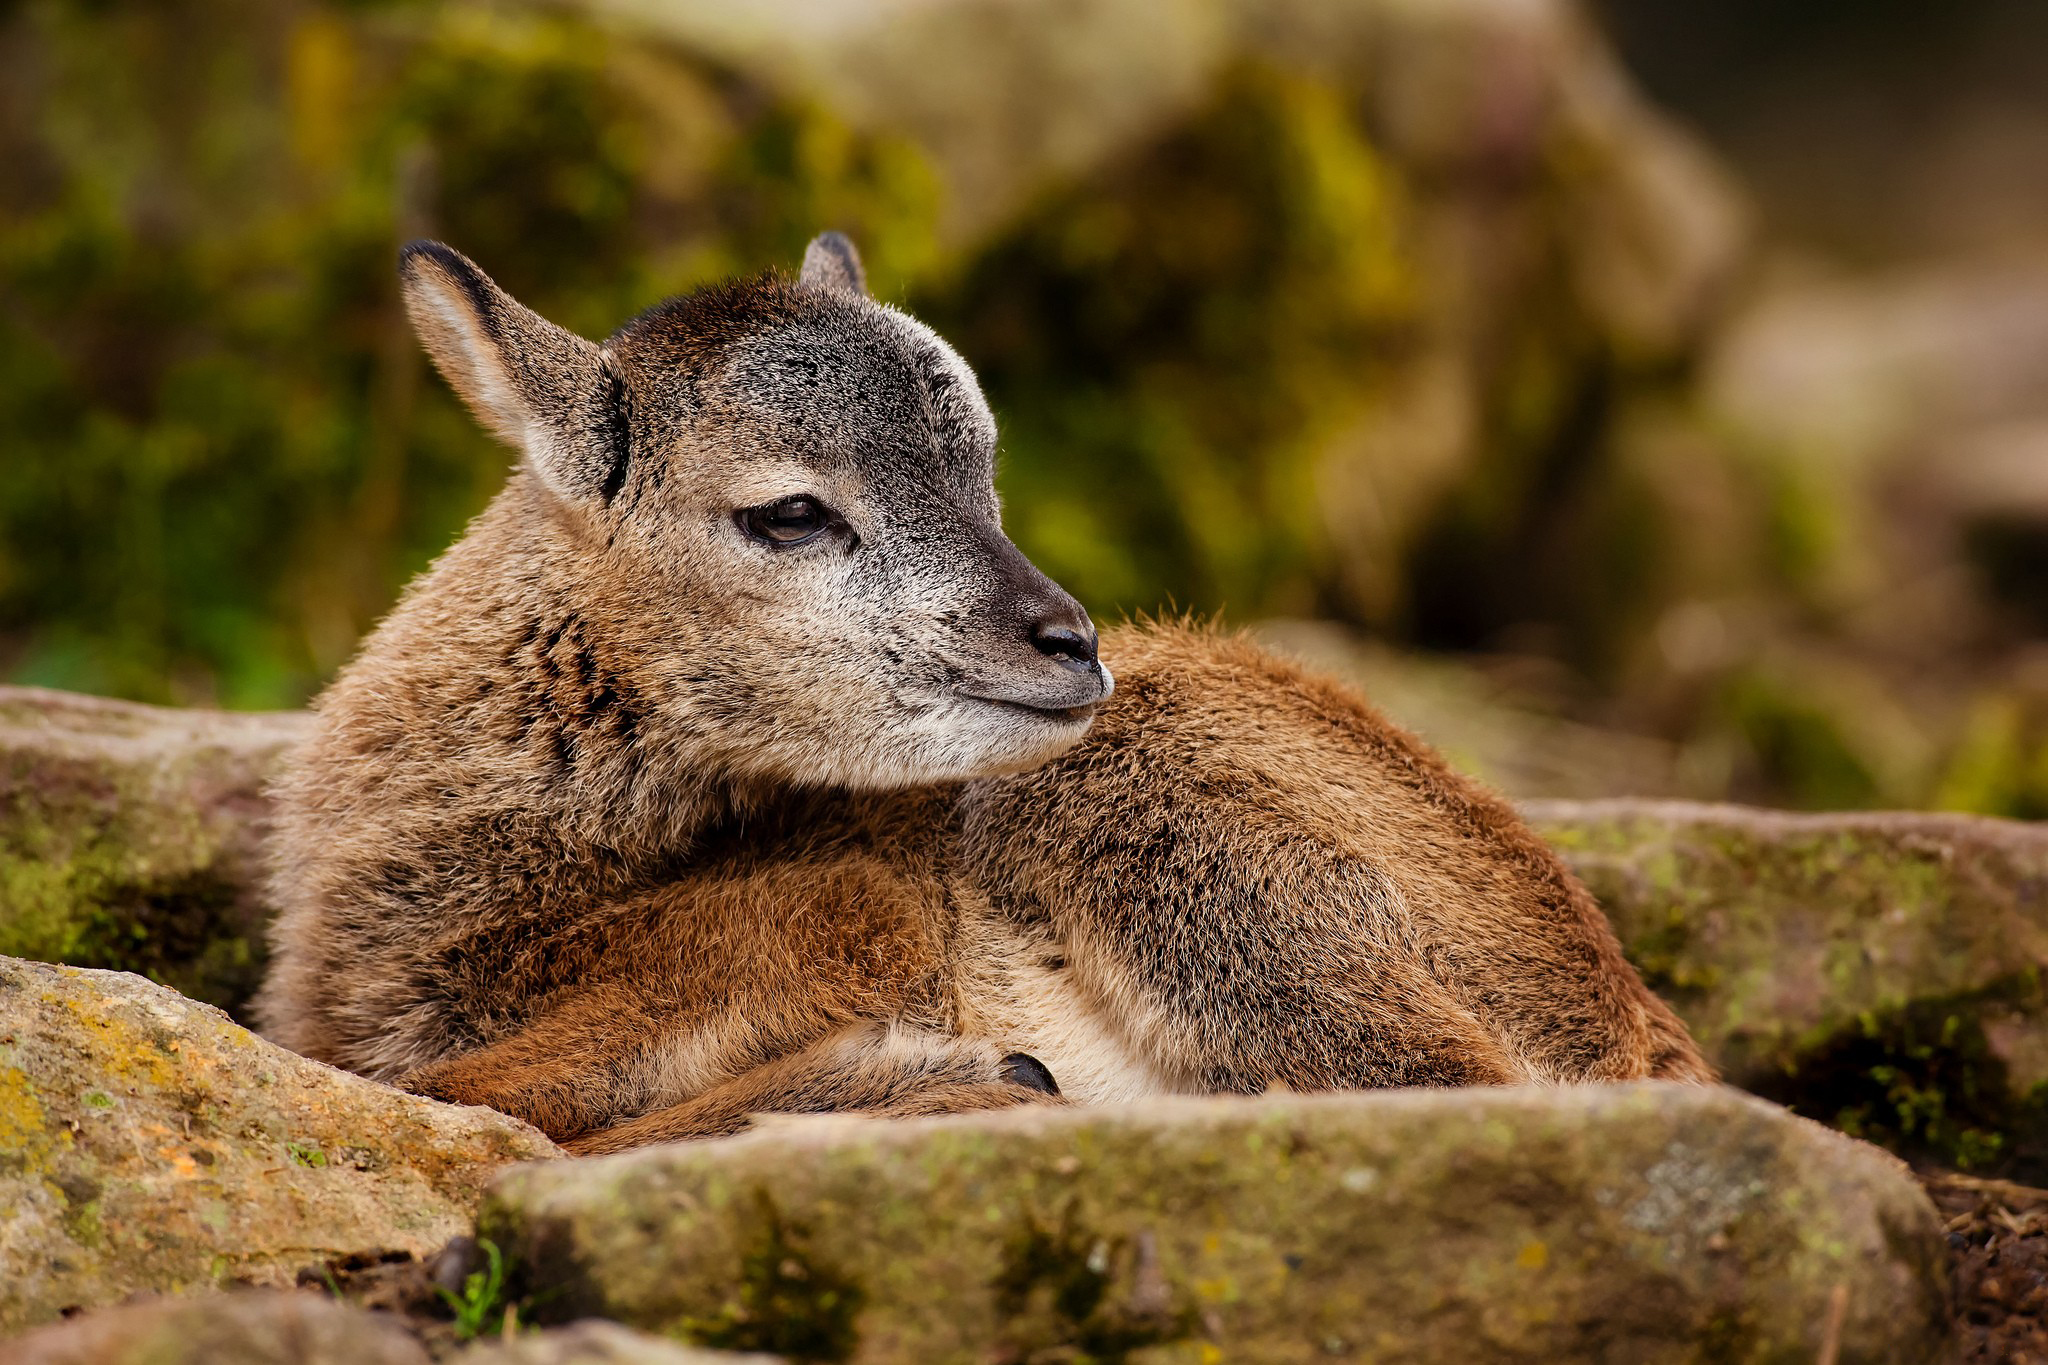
{"points": [[1645, 1222], [147, 1143], [282, 1327], [130, 837], [1881, 972], [258, 1328]]}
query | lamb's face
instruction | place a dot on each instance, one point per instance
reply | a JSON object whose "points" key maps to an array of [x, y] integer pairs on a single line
{"points": [[778, 507], [816, 516]]}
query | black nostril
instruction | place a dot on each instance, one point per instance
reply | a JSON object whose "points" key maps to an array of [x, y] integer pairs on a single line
{"points": [[1064, 643]]}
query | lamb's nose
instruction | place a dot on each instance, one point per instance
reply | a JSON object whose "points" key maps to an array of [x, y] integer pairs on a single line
{"points": [[1059, 640]]}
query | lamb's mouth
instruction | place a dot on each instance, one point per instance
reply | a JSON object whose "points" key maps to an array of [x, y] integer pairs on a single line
{"points": [[1056, 715]]}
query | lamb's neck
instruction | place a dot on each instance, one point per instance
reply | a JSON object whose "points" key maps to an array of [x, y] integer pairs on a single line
{"points": [[522, 669]]}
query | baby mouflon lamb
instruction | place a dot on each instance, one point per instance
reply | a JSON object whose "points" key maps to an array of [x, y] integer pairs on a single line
{"points": [[735, 761]]}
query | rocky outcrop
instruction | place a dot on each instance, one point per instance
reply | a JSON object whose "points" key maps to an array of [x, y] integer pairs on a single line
{"points": [[1880, 971], [1623, 1222], [263, 1327], [597, 1342], [129, 837], [148, 1143], [281, 1327]]}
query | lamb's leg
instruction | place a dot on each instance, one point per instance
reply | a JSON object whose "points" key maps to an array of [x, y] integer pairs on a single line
{"points": [[577, 1068], [873, 1068]]}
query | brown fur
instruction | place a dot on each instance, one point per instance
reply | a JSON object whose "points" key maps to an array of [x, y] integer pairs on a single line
{"points": [[611, 825]]}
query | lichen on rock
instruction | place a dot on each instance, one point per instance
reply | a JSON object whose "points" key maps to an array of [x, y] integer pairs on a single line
{"points": [[1880, 972], [148, 1143], [1641, 1222], [130, 837]]}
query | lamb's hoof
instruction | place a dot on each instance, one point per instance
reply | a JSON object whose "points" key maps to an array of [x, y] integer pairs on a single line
{"points": [[1021, 1068]]}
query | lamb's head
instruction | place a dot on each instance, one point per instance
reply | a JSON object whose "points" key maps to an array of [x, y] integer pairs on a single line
{"points": [[773, 505]]}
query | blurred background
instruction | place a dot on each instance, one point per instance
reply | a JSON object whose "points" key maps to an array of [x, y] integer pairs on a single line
{"points": [[1646, 397]]}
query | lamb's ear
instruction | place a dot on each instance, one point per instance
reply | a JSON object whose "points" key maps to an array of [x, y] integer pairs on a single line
{"points": [[544, 390], [831, 263]]}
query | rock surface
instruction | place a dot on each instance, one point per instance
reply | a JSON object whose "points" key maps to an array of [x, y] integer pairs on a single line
{"points": [[1883, 971], [263, 1327], [129, 837], [147, 1143], [280, 1327], [597, 1342], [1643, 1222]]}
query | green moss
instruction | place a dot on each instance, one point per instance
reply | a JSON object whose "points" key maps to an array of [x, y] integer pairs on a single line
{"points": [[1923, 1081], [82, 1208], [1663, 953], [134, 863], [786, 1302], [185, 930]]}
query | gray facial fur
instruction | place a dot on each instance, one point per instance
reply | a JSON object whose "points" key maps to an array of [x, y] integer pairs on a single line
{"points": [[907, 642]]}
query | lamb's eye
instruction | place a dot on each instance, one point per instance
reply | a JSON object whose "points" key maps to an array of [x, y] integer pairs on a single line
{"points": [[788, 521]]}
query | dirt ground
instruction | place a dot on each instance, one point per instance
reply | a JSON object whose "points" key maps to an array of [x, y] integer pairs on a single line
{"points": [[1998, 1242]]}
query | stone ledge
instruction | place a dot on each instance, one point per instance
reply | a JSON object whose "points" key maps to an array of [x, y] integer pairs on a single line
{"points": [[1882, 969], [1644, 1221], [130, 837], [147, 1143]]}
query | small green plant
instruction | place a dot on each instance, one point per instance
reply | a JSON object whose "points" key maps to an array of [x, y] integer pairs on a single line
{"points": [[482, 1300], [305, 1154]]}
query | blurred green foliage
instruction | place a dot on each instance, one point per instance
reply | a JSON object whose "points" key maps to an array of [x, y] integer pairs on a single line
{"points": [[2001, 765], [1273, 360], [1170, 344], [228, 456], [223, 457]]}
